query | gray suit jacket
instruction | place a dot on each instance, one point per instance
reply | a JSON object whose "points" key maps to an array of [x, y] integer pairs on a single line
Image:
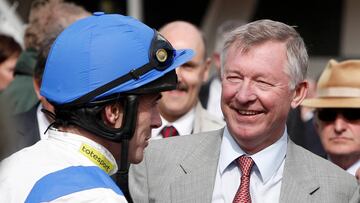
{"points": [[182, 169], [204, 121]]}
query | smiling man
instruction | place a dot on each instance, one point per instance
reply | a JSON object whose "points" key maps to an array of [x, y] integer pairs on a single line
{"points": [[180, 109], [264, 64], [338, 113]]}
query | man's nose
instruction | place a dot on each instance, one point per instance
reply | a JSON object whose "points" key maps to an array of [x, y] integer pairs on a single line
{"points": [[340, 124], [179, 73], [245, 92]]}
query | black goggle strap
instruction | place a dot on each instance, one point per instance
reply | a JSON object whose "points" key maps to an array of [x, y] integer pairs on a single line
{"points": [[161, 55]]}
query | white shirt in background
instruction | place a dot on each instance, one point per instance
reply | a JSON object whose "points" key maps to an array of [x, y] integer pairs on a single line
{"points": [[184, 125], [43, 122]]}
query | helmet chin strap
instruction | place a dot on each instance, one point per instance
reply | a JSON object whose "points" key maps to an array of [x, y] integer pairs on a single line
{"points": [[122, 175], [124, 163]]}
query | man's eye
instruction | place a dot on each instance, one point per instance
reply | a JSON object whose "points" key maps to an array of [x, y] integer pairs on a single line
{"points": [[264, 84], [189, 65], [234, 79]]}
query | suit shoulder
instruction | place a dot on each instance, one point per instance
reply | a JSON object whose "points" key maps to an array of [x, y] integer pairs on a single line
{"points": [[322, 167], [312, 173], [184, 140], [213, 119], [180, 146], [210, 120]]}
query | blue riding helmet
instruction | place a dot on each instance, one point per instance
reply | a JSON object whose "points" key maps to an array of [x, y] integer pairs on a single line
{"points": [[107, 58], [108, 54]]}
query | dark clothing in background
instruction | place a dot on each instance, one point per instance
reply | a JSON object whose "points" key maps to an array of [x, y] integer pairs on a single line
{"points": [[26, 130], [20, 95], [204, 93], [304, 133]]}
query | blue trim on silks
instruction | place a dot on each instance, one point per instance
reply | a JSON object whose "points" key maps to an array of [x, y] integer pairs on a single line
{"points": [[70, 180]]}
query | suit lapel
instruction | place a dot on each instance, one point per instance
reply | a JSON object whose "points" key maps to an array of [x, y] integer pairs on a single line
{"points": [[204, 121], [299, 177], [198, 118], [199, 170]]}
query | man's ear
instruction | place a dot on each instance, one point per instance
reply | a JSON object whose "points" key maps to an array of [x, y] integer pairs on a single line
{"points": [[299, 94], [216, 61], [36, 84], [112, 114], [206, 69]]}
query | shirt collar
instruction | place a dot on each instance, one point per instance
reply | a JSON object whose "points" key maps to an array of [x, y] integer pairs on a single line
{"points": [[43, 122], [352, 169], [97, 153], [184, 125], [267, 161]]}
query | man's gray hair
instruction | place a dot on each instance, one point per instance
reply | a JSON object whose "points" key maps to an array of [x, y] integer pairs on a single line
{"points": [[261, 31]]}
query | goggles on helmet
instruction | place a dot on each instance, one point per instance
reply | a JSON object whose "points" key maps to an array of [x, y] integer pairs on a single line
{"points": [[161, 56]]}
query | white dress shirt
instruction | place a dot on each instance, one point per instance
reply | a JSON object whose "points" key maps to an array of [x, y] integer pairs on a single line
{"points": [[184, 125], [43, 122], [352, 169], [265, 177], [214, 102]]}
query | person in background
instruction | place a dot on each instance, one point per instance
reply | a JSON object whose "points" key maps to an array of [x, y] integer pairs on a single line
{"points": [[301, 127], [6, 136], [9, 53], [103, 76], [20, 95], [264, 64], [210, 92], [55, 16], [337, 119], [180, 109]]}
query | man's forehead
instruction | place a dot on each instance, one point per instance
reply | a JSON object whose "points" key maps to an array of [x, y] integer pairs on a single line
{"points": [[182, 37], [185, 42]]}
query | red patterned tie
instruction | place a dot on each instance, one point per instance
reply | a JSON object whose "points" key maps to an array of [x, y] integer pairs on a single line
{"points": [[243, 194], [169, 131]]}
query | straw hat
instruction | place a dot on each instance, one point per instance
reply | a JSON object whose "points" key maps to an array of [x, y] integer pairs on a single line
{"points": [[338, 86]]}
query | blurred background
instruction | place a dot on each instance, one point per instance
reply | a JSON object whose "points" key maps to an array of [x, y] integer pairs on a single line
{"points": [[331, 29]]}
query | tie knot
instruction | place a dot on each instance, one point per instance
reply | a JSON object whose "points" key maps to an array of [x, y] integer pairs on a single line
{"points": [[169, 131], [245, 163]]}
